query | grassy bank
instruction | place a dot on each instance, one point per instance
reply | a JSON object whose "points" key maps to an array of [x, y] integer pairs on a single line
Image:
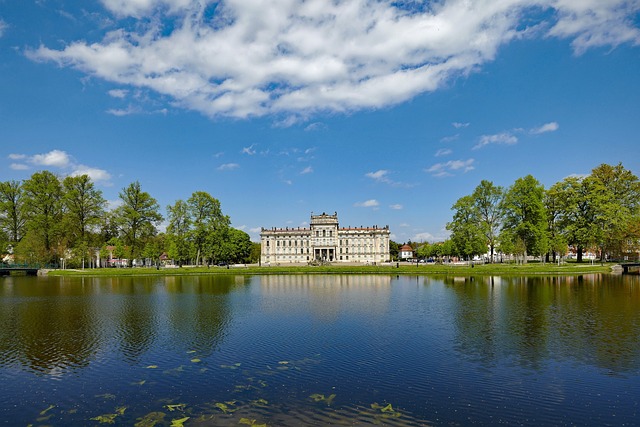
{"points": [[430, 269]]}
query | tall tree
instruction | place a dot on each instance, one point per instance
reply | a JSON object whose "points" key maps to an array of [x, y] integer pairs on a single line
{"points": [[237, 248], [137, 217], [210, 226], [12, 211], [487, 199], [466, 233], [615, 200], [43, 194], [525, 216], [178, 231], [84, 208], [555, 202]]}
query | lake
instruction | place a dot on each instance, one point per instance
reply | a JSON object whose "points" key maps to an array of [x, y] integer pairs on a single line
{"points": [[320, 350]]}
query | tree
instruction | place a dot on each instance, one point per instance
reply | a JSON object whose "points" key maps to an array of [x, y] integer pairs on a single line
{"points": [[84, 208], [210, 226], [554, 202], [43, 194], [238, 246], [178, 231], [394, 248], [466, 234], [487, 199], [256, 251], [525, 216], [615, 200], [137, 217], [12, 211]]}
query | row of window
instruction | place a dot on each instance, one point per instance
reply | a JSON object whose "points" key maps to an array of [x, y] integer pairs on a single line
{"points": [[358, 250], [343, 242]]}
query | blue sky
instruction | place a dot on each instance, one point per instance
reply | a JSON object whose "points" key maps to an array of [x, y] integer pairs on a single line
{"points": [[386, 112]]}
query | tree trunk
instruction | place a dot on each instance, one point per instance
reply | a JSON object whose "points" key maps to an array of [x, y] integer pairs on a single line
{"points": [[579, 254]]}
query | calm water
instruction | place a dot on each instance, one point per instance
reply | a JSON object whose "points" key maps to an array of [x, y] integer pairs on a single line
{"points": [[320, 350]]}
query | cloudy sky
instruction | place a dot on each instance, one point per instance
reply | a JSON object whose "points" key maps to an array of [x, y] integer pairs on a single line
{"points": [[384, 111]]}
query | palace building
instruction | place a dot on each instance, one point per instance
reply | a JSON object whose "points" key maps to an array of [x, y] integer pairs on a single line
{"points": [[324, 241]]}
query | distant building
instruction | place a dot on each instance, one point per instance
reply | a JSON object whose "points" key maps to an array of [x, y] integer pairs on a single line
{"points": [[405, 252], [325, 241]]}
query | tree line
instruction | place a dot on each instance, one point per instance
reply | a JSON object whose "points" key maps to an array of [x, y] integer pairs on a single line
{"points": [[599, 212], [46, 219]]}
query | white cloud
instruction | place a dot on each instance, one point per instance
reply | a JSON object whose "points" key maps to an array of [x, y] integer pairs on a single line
{"points": [[443, 152], [306, 170], [372, 203], [118, 93], [459, 125], [396, 207], [228, 167], [547, 127], [293, 58], [255, 229], [382, 175], [379, 175], [61, 160], [596, 23], [95, 174], [317, 126], [446, 169], [504, 138], [249, 150], [56, 158], [3, 27], [450, 138], [423, 237]]}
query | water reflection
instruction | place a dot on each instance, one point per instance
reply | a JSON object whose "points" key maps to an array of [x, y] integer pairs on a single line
{"points": [[52, 326], [450, 350], [529, 320], [325, 297]]}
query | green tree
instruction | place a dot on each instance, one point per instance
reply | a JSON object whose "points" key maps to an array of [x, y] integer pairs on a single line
{"points": [[487, 199], [178, 231], [43, 195], [256, 251], [555, 202], [12, 211], [394, 249], [210, 226], [238, 246], [137, 217], [615, 200], [525, 216], [466, 233], [84, 208], [577, 218]]}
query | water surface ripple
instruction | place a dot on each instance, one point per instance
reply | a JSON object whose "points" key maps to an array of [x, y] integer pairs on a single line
{"points": [[320, 350]]}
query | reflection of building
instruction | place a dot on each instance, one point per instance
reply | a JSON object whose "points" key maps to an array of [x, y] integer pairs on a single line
{"points": [[324, 240]]}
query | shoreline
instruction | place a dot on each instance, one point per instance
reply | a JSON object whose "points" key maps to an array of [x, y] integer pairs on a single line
{"points": [[393, 269]]}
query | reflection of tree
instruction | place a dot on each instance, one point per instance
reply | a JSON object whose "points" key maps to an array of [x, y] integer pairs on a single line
{"points": [[47, 335], [594, 319], [198, 310], [137, 328]]}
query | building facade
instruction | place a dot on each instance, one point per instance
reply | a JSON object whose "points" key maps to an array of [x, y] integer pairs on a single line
{"points": [[324, 241]]}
